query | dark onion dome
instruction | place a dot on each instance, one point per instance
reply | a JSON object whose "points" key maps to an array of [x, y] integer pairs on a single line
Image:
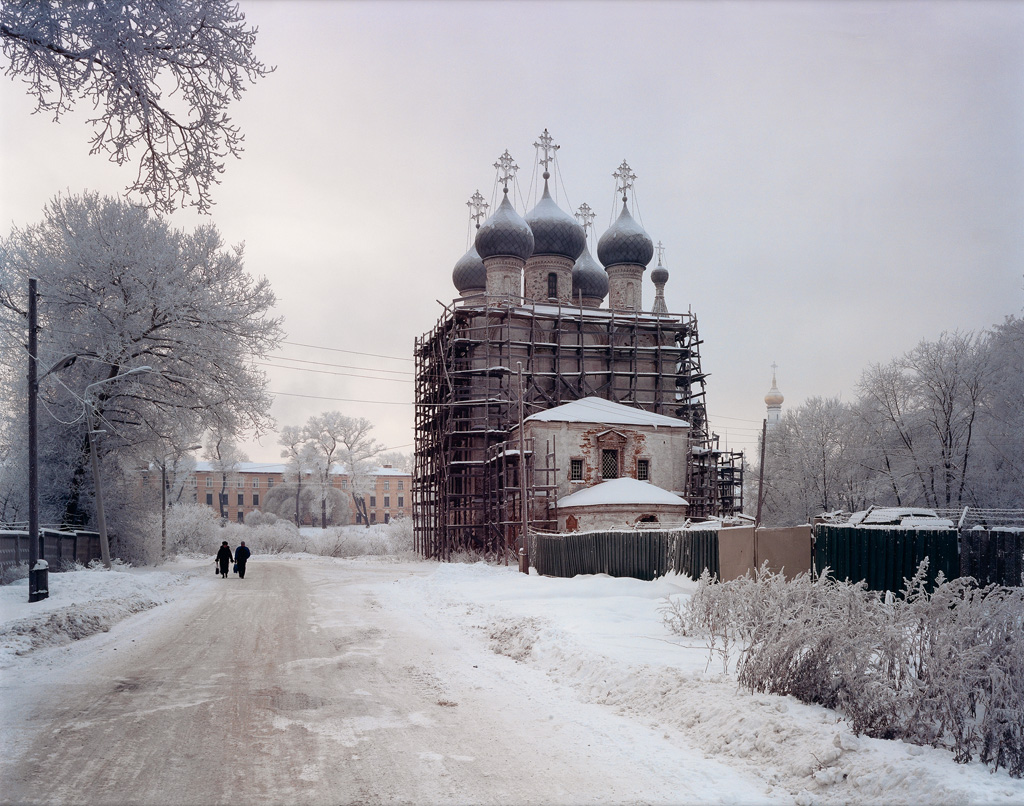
{"points": [[625, 242], [588, 278], [555, 232], [469, 273], [504, 234], [660, 274]]}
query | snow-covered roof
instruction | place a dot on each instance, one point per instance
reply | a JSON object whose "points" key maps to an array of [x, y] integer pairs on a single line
{"points": [[599, 410], [621, 491], [337, 469]]}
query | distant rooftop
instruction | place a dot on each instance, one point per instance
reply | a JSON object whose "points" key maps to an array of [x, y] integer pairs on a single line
{"points": [[624, 491]]}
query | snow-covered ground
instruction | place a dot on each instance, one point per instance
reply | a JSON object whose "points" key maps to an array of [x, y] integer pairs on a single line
{"points": [[600, 640]]}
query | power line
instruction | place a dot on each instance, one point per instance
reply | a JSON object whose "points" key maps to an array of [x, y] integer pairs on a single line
{"points": [[342, 399]]}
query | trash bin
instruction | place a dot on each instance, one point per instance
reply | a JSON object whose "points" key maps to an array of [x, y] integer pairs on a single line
{"points": [[39, 581]]}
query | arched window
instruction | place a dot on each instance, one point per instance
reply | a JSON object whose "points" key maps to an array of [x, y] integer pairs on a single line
{"points": [[552, 285]]}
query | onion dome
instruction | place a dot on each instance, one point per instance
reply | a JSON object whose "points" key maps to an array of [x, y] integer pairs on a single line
{"points": [[555, 232], [659, 275], [625, 242], [469, 273], [588, 278], [504, 234]]}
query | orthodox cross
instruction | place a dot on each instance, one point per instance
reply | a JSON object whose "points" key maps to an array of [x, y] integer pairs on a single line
{"points": [[585, 216], [624, 177], [507, 168], [546, 143], [661, 252], [477, 208]]}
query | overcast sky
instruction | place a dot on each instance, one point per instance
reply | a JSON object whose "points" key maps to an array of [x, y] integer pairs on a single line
{"points": [[833, 182]]}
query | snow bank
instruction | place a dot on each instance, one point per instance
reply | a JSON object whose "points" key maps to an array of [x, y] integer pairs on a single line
{"points": [[81, 603], [604, 637]]}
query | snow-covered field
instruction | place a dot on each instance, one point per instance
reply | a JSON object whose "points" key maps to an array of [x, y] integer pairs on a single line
{"points": [[599, 639]]}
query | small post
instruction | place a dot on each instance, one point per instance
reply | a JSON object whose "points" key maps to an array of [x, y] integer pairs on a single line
{"points": [[101, 519]]}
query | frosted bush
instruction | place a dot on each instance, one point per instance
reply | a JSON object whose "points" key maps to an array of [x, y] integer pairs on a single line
{"points": [[192, 528], [944, 668]]}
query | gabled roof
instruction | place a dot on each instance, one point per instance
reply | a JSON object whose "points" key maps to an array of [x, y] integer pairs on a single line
{"points": [[337, 469], [599, 410], [624, 491]]}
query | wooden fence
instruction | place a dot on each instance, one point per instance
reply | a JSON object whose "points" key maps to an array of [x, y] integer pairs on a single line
{"points": [[640, 554], [56, 547]]}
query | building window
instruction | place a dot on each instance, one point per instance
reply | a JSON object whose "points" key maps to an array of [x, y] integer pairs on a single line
{"points": [[241, 500], [241, 516], [255, 499], [145, 478], [643, 469], [344, 484], [401, 484], [609, 464], [552, 285], [401, 502], [209, 499], [270, 483], [387, 517], [385, 484], [256, 482], [240, 484], [373, 500], [192, 481], [575, 470], [387, 500], [373, 517], [209, 481]]}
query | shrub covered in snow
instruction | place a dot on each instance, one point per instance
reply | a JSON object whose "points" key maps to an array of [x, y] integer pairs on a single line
{"points": [[192, 528], [944, 668]]}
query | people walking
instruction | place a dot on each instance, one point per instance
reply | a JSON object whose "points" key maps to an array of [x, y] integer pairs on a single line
{"points": [[242, 554], [223, 558]]}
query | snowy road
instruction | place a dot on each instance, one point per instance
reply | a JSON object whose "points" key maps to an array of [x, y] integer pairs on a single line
{"points": [[307, 683]]}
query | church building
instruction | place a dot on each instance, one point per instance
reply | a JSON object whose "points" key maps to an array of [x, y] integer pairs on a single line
{"points": [[540, 323]]}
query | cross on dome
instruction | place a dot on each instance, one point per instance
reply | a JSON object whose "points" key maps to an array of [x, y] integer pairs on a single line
{"points": [[546, 143], [585, 216], [624, 177], [660, 249], [506, 167], [477, 208]]}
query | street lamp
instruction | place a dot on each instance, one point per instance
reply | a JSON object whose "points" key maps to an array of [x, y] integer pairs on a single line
{"points": [[163, 496], [89, 410]]}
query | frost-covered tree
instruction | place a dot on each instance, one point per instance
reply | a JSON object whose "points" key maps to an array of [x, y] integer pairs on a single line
{"points": [[923, 409], [397, 459], [296, 453], [323, 433], [1000, 466], [120, 289], [160, 75]]}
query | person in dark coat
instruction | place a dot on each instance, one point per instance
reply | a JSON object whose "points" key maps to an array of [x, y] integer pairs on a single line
{"points": [[223, 558], [242, 554]]}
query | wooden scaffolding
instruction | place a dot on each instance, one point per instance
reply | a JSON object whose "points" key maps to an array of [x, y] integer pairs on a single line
{"points": [[485, 355]]}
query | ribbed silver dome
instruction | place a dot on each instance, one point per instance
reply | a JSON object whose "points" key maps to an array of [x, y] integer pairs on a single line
{"points": [[555, 232], [588, 278], [504, 234], [469, 273], [625, 242]]}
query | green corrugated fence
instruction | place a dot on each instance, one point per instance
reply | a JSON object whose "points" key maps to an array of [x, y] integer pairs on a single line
{"points": [[641, 554], [884, 557]]}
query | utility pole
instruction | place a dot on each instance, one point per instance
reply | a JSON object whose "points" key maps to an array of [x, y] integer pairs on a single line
{"points": [[760, 473], [38, 578], [524, 559]]}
